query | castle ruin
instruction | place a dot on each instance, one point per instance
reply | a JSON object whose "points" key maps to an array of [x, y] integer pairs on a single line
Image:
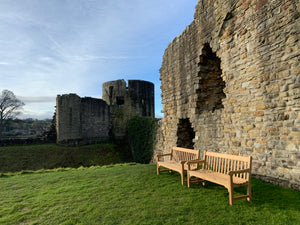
{"points": [[86, 120], [231, 83]]}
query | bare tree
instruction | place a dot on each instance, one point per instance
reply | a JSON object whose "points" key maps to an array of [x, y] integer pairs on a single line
{"points": [[9, 105]]}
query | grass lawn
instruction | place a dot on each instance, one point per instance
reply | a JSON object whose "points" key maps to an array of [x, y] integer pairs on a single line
{"points": [[134, 194]]}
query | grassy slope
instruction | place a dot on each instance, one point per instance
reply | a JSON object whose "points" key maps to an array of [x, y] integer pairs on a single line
{"points": [[49, 156], [134, 194]]}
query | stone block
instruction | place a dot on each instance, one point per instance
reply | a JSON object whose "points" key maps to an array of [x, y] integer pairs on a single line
{"points": [[259, 113], [291, 147], [261, 107]]}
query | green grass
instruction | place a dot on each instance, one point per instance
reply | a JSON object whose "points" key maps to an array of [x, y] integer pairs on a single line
{"points": [[49, 156], [134, 194]]}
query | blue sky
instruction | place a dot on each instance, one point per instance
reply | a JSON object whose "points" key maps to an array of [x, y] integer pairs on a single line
{"points": [[51, 47]]}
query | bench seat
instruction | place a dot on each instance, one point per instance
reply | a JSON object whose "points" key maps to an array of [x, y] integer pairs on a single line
{"points": [[178, 158], [217, 178]]}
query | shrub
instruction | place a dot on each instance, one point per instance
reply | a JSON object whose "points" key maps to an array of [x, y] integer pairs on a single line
{"points": [[142, 132]]}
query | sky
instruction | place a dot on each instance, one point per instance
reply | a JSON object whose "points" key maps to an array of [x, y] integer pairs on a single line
{"points": [[54, 47]]}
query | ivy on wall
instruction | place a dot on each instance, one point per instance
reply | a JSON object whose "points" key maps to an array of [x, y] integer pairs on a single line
{"points": [[142, 132]]}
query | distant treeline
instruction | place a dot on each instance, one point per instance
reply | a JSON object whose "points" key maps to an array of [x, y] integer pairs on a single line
{"points": [[18, 128]]}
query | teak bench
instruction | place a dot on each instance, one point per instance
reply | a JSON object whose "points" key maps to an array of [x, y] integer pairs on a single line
{"points": [[177, 161], [227, 170]]}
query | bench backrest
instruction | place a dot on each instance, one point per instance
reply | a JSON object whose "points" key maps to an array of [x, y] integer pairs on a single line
{"points": [[184, 154], [223, 163]]}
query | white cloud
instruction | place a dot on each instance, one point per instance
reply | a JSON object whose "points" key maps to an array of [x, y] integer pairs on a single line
{"points": [[73, 46], [36, 114], [4, 63], [37, 99]]}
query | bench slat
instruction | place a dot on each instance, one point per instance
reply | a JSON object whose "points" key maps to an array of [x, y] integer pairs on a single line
{"points": [[193, 151], [227, 156]]}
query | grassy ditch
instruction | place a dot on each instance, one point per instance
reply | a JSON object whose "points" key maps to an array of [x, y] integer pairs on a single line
{"points": [[49, 156], [134, 194]]}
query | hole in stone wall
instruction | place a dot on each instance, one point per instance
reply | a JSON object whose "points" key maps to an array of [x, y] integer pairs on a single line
{"points": [[185, 134], [120, 100], [211, 85]]}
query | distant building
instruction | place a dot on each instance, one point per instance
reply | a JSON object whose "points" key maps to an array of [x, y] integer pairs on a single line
{"points": [[85, 120]]}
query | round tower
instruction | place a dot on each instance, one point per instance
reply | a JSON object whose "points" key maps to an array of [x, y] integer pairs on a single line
{"points": [[136, 99]]}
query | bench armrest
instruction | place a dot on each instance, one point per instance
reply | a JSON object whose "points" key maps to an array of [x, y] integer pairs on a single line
{"points": [[162, 155], [182, 162], [193, 162], [230, 173]]}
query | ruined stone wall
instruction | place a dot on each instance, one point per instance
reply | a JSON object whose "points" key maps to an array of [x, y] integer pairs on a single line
{"points": [[68, 119], [141, 94], [81, 120], [95, 119], [85, 120], [233, 76], [125, 102]]}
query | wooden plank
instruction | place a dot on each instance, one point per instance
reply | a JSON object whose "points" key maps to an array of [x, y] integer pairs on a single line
{"points": [[185, 150], [228, 162], [210, 162], [235, 157], [219, 165], [234, 165], [223, 166], [214, 164], [240, 197]]}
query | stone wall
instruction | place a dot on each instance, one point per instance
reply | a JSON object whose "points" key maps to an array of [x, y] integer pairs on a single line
{"points": [[233, 76], [125, 102], [81, 120], [95, 118]]}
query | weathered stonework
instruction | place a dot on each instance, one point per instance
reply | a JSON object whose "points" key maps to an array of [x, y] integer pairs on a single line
{"points": [[125, 102], [81, 119], [84, 120], [234, 75]]}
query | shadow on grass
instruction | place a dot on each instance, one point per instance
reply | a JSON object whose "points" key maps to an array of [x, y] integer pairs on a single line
{"points": [[275, 196], [51, 156], [263, 194]]}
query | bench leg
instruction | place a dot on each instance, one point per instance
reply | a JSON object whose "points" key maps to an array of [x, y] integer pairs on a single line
{"points": [[249, 192], [188, 177], [157, 169], [182, 178], [230, 190]]}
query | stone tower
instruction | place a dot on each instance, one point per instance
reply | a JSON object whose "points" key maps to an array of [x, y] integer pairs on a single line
{"points": [[136, 99]]}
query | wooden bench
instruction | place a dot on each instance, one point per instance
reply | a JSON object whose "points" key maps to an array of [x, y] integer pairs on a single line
{"points": [[177, 161], [227, 170]]}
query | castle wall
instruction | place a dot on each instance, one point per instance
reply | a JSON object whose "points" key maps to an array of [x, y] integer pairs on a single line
{"points": [[95, 119], [85, 120], [81, 120], [141, 94], [136, 99], [234, 75], [68, 119]]}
